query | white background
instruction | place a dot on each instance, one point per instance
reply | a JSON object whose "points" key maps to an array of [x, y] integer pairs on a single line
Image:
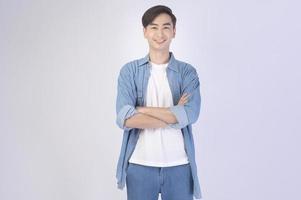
{"points": [[59, 62]]}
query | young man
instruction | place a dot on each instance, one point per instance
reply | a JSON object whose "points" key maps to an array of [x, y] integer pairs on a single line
{"points": [[158, 100]]}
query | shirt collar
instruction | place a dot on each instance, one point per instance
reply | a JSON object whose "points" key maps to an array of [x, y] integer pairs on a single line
{"points": [[171, 63]]}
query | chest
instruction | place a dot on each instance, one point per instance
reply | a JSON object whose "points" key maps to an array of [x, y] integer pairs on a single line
{"points": [[142, 78]]}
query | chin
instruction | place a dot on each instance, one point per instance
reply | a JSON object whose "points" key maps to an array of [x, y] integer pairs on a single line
{"points": [[159, 48]]}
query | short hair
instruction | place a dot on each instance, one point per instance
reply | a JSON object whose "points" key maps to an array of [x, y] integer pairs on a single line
{"points": [[150, 14]]}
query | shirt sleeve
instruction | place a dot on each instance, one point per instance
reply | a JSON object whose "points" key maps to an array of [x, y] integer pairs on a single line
{"points": [[126, 97], [188, 113]]}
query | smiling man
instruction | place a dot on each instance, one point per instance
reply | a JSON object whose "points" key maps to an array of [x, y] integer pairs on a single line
{"points": [[158, 100]]}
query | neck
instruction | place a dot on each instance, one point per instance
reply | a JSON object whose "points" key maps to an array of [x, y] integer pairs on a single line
{"points": [[159, 57]]}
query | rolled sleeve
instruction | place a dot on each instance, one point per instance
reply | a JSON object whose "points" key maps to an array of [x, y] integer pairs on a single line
{"points": [[125, 112], [188, 113], [126, 97], [181, 116]]}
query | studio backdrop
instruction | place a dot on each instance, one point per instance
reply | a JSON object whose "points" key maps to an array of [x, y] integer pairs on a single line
{"points": [[59, 62]]}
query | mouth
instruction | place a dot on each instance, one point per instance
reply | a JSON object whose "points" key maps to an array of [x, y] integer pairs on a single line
{"points": [[160, 42]]}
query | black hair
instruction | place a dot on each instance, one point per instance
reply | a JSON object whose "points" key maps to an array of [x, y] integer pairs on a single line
{"points": [[150, 14]]}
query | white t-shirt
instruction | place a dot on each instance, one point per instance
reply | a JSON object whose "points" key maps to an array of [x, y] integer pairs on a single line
{"points": [[159, 147]]}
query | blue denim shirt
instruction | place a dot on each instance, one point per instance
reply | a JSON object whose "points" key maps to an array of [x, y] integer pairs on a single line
{"points": [[131, 92]]}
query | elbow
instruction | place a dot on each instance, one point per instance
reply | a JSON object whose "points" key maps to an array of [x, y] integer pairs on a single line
{"points": [[194, 118], [123, 124], [181, 116], [127, 124], [125, 113], [120, 122], [183, 124], [184, 116]]}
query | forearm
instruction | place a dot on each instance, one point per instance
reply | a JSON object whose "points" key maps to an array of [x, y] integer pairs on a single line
{"points": [[163, 114], [142, 121]]}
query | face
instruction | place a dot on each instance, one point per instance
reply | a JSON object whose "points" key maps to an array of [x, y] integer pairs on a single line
{"points": [[160, 33]]}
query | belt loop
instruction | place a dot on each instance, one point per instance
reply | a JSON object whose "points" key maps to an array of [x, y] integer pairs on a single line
{"points": [[161, 176]]}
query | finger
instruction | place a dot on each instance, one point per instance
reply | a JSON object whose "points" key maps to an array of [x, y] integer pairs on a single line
{"points": [[185, 97], [185, 94], [184, 100]]}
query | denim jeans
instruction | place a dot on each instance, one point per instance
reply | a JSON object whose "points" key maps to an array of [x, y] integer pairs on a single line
{"points": [[145, 183]]}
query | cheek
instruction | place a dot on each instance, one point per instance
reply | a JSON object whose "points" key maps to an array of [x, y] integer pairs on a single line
{"points": [[147, 36], [169, 33], [151, 36]]}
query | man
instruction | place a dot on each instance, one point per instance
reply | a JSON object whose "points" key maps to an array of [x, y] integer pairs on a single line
{"points": [[158, 100]]}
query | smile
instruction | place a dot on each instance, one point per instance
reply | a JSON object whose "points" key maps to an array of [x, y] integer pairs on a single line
{"points": [[160, 42]]}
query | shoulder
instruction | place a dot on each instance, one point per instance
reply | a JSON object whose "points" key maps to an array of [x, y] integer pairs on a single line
{"points": [[186, 68], [130, 67]]}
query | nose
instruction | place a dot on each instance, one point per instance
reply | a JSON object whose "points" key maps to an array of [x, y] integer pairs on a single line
{"points": [[159, 33]]}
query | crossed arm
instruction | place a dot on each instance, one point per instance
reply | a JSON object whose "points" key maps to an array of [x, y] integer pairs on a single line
{"points": [[154, 117]]}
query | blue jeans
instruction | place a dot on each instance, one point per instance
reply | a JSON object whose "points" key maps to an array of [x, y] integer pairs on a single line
{"points": [[145, 183]]}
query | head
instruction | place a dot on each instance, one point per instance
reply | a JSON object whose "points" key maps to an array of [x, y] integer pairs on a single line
{"points": [[159, 27]]}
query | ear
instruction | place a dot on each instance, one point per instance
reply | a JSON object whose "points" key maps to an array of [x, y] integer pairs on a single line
{"points": [[144, 32], [174, 32]]}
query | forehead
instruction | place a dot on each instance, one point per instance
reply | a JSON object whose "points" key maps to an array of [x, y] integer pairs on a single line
{"points": [[161, 19]]}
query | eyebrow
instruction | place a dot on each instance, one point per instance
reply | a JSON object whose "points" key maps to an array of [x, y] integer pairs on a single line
{"points": [[153, 24]]}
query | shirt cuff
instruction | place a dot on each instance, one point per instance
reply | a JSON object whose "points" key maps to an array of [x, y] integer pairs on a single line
{"points": [[181, 116], [125, 112]]}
